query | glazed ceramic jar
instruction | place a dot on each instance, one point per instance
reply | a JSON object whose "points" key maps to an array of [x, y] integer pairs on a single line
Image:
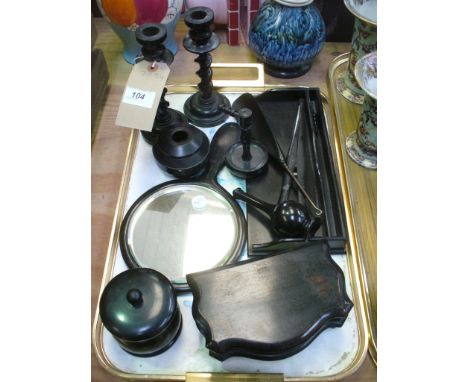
{"points": [[361, 145], [125, 16], [286, 35], [364, 41]]}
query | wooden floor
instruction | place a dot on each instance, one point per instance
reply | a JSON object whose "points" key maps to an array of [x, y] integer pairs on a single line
{"points": [[110, 144]]}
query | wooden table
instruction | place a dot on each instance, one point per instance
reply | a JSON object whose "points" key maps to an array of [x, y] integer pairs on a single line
{"points": [[110, 144]]}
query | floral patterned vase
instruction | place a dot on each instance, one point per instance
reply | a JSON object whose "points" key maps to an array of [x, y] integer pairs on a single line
{"points": [[286, 35], [361, 145], [364, 41], [125, 16]]}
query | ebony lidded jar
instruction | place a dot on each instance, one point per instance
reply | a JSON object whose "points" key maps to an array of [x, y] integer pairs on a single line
{"points": [[182, 150], [139, 307]]}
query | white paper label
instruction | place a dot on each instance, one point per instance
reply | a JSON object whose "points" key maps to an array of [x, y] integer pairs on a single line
{"points": [[139, 97]]}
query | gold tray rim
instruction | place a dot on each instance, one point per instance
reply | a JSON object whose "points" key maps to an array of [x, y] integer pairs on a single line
{"points": [[111, 255], [342, 59]]}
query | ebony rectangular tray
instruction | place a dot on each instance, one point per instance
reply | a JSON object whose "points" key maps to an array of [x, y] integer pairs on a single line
{"points": [[314, 165]]}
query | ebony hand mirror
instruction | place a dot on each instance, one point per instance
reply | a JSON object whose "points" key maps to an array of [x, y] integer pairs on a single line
{"points": [[185, 226]]}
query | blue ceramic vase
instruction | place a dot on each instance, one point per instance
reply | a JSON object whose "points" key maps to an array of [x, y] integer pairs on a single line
{"points": [[125, 16], [287, 37]]}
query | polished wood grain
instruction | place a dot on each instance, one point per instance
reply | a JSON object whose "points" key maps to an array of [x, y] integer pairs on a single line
{"points": [[111, 142], [99, 78], [362, 189]]}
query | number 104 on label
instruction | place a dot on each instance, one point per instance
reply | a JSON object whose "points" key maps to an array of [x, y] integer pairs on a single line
{"points": [[138, 97]]}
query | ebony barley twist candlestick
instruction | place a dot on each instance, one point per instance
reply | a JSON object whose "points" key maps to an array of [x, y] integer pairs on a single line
{"points": [[151, 36], [202, 108]]}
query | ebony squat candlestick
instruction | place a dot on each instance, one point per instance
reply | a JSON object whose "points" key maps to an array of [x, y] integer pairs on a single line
{"points": [[246, 158], [151, 36], [203, 107]]}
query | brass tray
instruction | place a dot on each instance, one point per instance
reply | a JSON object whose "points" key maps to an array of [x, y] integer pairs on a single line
{"points": [[353, 264], [359, 186]]}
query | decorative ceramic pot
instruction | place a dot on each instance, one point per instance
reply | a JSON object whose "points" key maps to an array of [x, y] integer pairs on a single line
{"points": [[286, 35], [125, 16], [364, 41], [362, 144]]}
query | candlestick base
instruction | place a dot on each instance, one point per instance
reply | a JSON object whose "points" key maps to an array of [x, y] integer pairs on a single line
{"points": [[247, 169], [205, 112]]}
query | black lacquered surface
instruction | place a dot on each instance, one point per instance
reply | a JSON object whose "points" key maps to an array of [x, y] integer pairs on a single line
{"points": [[274, 114], [202, 108], [182, 150], [270, 308], [288, 219], [135, 319], [151, 37]]}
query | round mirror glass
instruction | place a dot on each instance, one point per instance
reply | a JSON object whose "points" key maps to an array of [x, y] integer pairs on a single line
{"points": [[183, 228]]}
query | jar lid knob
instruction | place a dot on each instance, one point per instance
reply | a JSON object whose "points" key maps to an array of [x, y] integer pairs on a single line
{"points": [[135, 297]]}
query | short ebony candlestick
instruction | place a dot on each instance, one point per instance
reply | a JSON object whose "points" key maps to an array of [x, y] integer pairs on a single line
{"points": [[202, 108], [151, 36], [246, 158]]}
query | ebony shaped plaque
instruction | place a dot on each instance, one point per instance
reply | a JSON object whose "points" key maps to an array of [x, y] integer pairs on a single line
{"points": [[270, 308]]}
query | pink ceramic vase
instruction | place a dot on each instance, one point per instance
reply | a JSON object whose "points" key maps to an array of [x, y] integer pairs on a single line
{"points": [[219, 8]]}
